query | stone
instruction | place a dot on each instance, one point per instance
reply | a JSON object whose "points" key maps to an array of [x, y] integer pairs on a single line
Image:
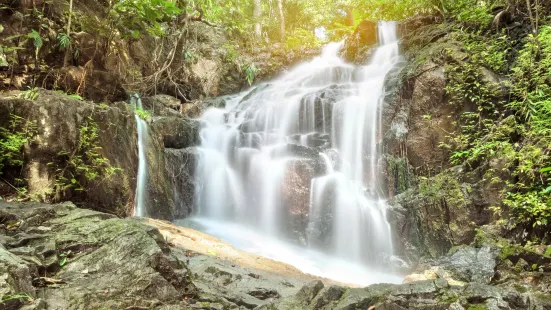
{"points": [[470, 264], [162, 105], [180, 165], [95, 85], [364, 37], [59, 119], [176, 132]]}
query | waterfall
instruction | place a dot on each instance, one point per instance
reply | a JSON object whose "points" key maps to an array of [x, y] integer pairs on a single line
{"points": [[305, 146], [141, 186]]}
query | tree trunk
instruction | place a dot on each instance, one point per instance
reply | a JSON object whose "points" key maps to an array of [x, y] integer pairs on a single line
{"points": [[69, 48], [281, 20], [257, 12], [350, 17], [532, 20]]}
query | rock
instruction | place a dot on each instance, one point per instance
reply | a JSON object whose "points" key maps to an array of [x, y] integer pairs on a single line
{"points": [[429, 119], [127, 262], [194, 109], [162, 105], [364, 37], [96, 85], [176, 132], [59, 119], [86, 45], [15, 275], [465, 264], [437, 215], [180, 165]]}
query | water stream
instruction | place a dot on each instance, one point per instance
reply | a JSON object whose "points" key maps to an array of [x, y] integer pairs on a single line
{"points": [[290, 169], [141, 187]]}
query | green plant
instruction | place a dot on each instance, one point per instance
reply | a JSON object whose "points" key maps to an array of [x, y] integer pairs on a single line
{"points": [[231, 52], [36, 38], [85, 163], [25, 297], [63, 40], [189, 55], [12, 140], [63, 257], [250, 73], [532, 208], [143, 114], [137, 17], [30, 94]]}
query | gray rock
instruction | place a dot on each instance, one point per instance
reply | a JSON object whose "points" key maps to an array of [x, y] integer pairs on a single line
{"points": [[176, 132], [470, 264], [180, 165]]}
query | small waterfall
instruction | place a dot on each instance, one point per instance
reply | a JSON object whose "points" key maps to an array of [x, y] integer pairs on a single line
{"points": [[305, 146], [141, 187]]}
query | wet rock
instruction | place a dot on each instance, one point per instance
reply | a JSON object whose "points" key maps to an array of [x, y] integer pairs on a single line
{"points": [[180, 165], [194, 109], [176, 132]]}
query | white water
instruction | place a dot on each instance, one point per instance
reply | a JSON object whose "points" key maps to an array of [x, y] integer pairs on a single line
{"points": [[309, 261], [324, 113], [141, 187]]}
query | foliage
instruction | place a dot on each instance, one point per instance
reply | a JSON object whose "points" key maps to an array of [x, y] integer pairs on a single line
{"points": [[85, 163], [36, 39], [63, 40], [63, 257], [25, 297], [13, 139], [444, 187], [532, 208], [520, 141], [137, 17], [231, 52], [301, 38], [143, 114], [30, 94], [250, 73]]}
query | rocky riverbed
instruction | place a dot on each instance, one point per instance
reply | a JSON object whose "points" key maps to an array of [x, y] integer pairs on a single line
{"points": [[63, 257]]}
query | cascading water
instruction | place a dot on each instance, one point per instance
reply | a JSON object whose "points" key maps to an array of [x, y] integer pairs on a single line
{"points": [[318, 124], [141, 186]]}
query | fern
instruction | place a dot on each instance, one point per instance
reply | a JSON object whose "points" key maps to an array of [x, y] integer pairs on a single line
{"points": [[37, 40], [63, 40], [250, 73]]}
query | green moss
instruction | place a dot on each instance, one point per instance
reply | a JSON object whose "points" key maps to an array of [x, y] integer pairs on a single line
{"points": [[398, 168], [477, 307], [445, 186]]}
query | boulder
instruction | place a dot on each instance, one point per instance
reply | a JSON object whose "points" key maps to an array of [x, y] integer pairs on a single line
{"points": [[440, 213], [194, 109], [98, 260], [469, 264], [180, 165], [59, 119], [176, 132], [96, 85], [162, 105], [81, 259]]}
